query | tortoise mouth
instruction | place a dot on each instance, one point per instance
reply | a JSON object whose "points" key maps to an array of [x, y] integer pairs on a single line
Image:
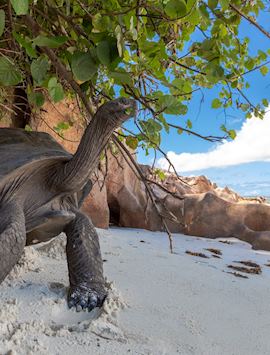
{"points": [[122, 108]]}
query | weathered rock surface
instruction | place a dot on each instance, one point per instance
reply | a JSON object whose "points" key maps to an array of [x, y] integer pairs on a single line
{"points": [[198, 206]]}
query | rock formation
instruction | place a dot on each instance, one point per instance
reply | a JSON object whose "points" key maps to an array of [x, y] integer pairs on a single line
{"points": [[200, 207]]}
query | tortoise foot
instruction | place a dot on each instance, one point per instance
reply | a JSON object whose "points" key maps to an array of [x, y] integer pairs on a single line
{"points": [[85, 297]]}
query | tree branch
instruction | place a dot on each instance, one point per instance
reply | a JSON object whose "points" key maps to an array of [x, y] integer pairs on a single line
{"points": [[250, 20], [247, 100], [121, 147], [207, 138], [186, 67], [251, 70]]}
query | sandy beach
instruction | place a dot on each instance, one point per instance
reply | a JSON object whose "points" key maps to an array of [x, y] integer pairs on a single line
{"points": [[159, 303]]}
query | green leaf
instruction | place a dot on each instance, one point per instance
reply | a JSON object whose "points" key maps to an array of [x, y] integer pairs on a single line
{"points": [[2, 22], [223, 32], [265, 102], [194, 18], [151, 126], [132, 142], [189, 124], [26, 44], [152, 48], [121, 77], [152, 129], [62, 126], [208, 44], [161, 174], [20, 6], [107, 51], [36, 98], [83, 66], [51, 42], [264, 70], [28, 128], [120, 40], [170, 105], [214, 72], [55, 90], [176, 8], [9, 74], [234, 84], [216, 103], [223, 128], [39, 68], [164, 122], [224, 4], [87, 25], [212, 4], [244, 107], [232, 133], [179, 131], [250, 63], [262, 55], [101, 23], [178, 83]]}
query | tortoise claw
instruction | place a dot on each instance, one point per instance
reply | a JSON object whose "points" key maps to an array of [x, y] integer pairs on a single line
{"points": [[82, 297]]}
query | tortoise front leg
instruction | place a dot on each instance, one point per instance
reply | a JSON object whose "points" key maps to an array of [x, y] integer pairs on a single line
{"points": [[87, 284], [12, 236]]}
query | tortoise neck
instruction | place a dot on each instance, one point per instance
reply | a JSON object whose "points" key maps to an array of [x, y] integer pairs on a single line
{"points": [[76, 172]]}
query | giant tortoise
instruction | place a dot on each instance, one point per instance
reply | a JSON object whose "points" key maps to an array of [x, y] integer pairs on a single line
{"points": [[42, 187]]}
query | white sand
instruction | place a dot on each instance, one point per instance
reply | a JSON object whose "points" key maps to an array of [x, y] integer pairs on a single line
{"points": [[159, 303]]}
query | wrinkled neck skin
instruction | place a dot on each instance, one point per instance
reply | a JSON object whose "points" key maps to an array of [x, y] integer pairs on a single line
{"points": [[75, 173]]}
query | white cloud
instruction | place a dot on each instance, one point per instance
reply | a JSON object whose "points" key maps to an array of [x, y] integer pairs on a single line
{"points": [[251, 144]]}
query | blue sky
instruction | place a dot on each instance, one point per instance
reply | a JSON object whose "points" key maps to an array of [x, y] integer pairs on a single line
{"points": [[249, 178]]}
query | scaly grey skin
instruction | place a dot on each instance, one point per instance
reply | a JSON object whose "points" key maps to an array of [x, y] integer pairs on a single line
{"points": [[41, 190]]}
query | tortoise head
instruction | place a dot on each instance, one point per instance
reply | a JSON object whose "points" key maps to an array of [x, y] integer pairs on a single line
{"points": [[118, 111]]}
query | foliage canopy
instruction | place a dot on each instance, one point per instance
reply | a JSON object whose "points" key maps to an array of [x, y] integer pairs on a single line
{"points": [[159, 52]]}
